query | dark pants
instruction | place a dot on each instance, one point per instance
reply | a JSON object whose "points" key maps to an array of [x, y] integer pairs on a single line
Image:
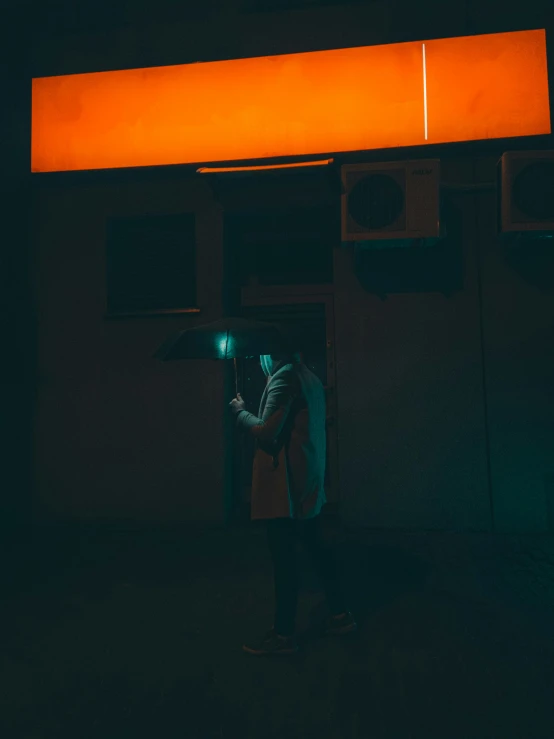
{"points": [[282, 537]]}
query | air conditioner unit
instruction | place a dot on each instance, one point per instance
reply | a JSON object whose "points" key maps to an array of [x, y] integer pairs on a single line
{"points": [[526, 194], [391, 202]]}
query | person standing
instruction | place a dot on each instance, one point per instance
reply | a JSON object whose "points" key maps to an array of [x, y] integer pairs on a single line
{"points": [[288, 492]]}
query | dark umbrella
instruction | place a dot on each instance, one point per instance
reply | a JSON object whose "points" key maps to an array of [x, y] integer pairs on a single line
{"points": [[228, 338]]}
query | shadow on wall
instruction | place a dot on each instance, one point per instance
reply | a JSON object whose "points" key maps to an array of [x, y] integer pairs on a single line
{"points": [[533, 260], [436, 268]]}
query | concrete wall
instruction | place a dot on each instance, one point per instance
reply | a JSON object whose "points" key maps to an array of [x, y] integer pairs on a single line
{"points": [[410, 394], [17, 324], [446, 402], [518, 331], [117, 433]]}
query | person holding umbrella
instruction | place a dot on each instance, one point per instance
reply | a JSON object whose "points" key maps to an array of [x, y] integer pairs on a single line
{"points": [[289, 463], [288, 491]]}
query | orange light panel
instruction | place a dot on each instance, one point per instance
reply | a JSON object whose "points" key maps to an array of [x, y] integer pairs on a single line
{"points": [[371, 97]]}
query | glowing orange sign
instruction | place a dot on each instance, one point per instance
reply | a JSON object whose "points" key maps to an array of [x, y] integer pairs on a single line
{"points": [[371, 97]]}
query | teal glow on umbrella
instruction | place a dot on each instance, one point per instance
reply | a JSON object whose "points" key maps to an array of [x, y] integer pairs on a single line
{"points": [[228, 338], [225, 346]]}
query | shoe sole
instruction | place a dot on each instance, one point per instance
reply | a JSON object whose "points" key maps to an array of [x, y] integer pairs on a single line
{"points": [[259, 653], [347, 629]]}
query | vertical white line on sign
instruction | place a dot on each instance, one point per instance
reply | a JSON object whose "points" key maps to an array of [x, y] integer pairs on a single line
{"points": [[424, 91]]}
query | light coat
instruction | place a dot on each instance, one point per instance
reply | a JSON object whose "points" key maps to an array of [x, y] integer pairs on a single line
{"points": [[288, 475]]}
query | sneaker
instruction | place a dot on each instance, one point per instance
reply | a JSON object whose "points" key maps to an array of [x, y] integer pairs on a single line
{"points": [[272, 643], [343, 624]]}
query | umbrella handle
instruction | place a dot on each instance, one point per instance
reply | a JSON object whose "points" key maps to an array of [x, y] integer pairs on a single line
{"points": [[236, 376]]}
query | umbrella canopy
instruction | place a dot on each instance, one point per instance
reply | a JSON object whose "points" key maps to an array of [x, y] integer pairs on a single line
{"points": [[228, 338]]}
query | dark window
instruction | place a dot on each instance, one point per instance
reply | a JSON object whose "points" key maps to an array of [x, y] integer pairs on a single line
{"points": [[151, 263], [283, 246]]}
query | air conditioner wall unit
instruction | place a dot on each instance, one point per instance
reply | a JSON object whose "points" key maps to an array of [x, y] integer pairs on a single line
{"points": [[391, 201], [525, 181]]}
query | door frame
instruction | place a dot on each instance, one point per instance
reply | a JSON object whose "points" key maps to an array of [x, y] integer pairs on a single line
{"points": [[321, 294]]}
